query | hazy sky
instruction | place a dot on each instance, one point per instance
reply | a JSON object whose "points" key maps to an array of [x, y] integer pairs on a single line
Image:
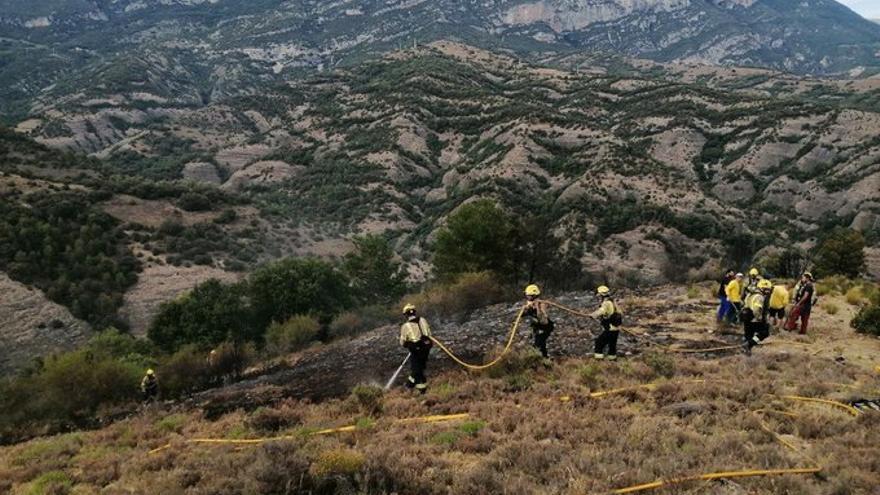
{"points": [[867, 8]]}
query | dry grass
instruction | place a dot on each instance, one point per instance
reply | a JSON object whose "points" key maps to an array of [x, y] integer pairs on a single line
{"points": [[519, 441], [521, 438]]}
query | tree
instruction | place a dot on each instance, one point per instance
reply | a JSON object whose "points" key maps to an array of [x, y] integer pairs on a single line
{"points": [[294, 286], [477, 237], [212, 313], [375, 276], [841, 252]]}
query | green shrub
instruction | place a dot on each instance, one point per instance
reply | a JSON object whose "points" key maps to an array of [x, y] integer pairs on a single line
{"points": [[472, 427], [173, 423], [693, 292], [345, 462], [469, 291], [445, 438], [183, 372], [51, 483], [830, 308], [351, 323], [841, 252], [589, 374], [855, 296], [294, 334], [867, 320], [477, 237], [662, 364], [369, 398], [375, 275]]}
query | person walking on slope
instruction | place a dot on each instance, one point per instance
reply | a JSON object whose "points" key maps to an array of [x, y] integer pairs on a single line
{"points": [[779, 299], [755, 314], [803, 303], [734, 292], [150, 387], [542, 325], [724, 306], [610, 318], [415, 336]]}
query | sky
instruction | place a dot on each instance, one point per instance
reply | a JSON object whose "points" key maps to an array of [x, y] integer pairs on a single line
{"points": [[866, 8]]}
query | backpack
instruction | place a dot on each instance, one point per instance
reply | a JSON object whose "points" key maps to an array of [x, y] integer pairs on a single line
{"points": [[616, 318]]}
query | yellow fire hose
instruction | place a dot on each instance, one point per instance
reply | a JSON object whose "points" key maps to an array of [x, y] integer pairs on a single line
{"points": [[343, 429], [715, 476], [495, 361], [852, 411]]}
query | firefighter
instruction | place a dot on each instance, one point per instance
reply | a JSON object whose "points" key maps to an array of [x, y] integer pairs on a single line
{"points": [[542, 325], [415, 336], [610, 318], [755, 314], [150, 387]]}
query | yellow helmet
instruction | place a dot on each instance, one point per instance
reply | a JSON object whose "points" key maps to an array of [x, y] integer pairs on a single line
{"points": [[754, 272], [533, 290], [150, 372], [603, 290], [409, 308], [765, 284]]}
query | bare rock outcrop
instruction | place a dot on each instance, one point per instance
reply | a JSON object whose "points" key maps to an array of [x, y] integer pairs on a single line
{"points": [[33, 326]]}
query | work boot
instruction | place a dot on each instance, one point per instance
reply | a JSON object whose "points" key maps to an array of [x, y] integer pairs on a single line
{"points": [[612, 357], [599, 356]]}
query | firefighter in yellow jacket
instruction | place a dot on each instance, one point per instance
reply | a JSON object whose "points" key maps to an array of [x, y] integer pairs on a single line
{"points": [[610, 319], [755, 314], [542, 326], [734, 291], [779, 299], [415, 336]]}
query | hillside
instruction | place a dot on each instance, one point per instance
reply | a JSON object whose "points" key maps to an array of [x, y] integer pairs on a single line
{"points": [[643, 173], [528, 429], [408, 138]]}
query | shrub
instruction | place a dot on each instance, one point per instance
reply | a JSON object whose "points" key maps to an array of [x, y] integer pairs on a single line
{"points": [[588, 374], [693, 292], [855, 296], [292, 335], [272, 420], [345, 462], [369, 398], [375, 275], [173, 423], [830, 308], [662, 364], [478, 236], [211, 313], [468, 292], [445, 438], [472, 427], [841, 252], [53, 482], [294, 286], [183, 372], [867, 320], [351, 323], [193, 201]]}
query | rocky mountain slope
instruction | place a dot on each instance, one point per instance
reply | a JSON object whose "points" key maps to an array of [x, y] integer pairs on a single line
{"points": [[192, 51], [644, 171]]}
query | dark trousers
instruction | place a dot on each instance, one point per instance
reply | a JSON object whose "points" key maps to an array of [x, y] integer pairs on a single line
{"points": [[752, 329], [733, 314], [805, 319], [151, 394], [418, 361], [542, 333], [608, 338]]}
